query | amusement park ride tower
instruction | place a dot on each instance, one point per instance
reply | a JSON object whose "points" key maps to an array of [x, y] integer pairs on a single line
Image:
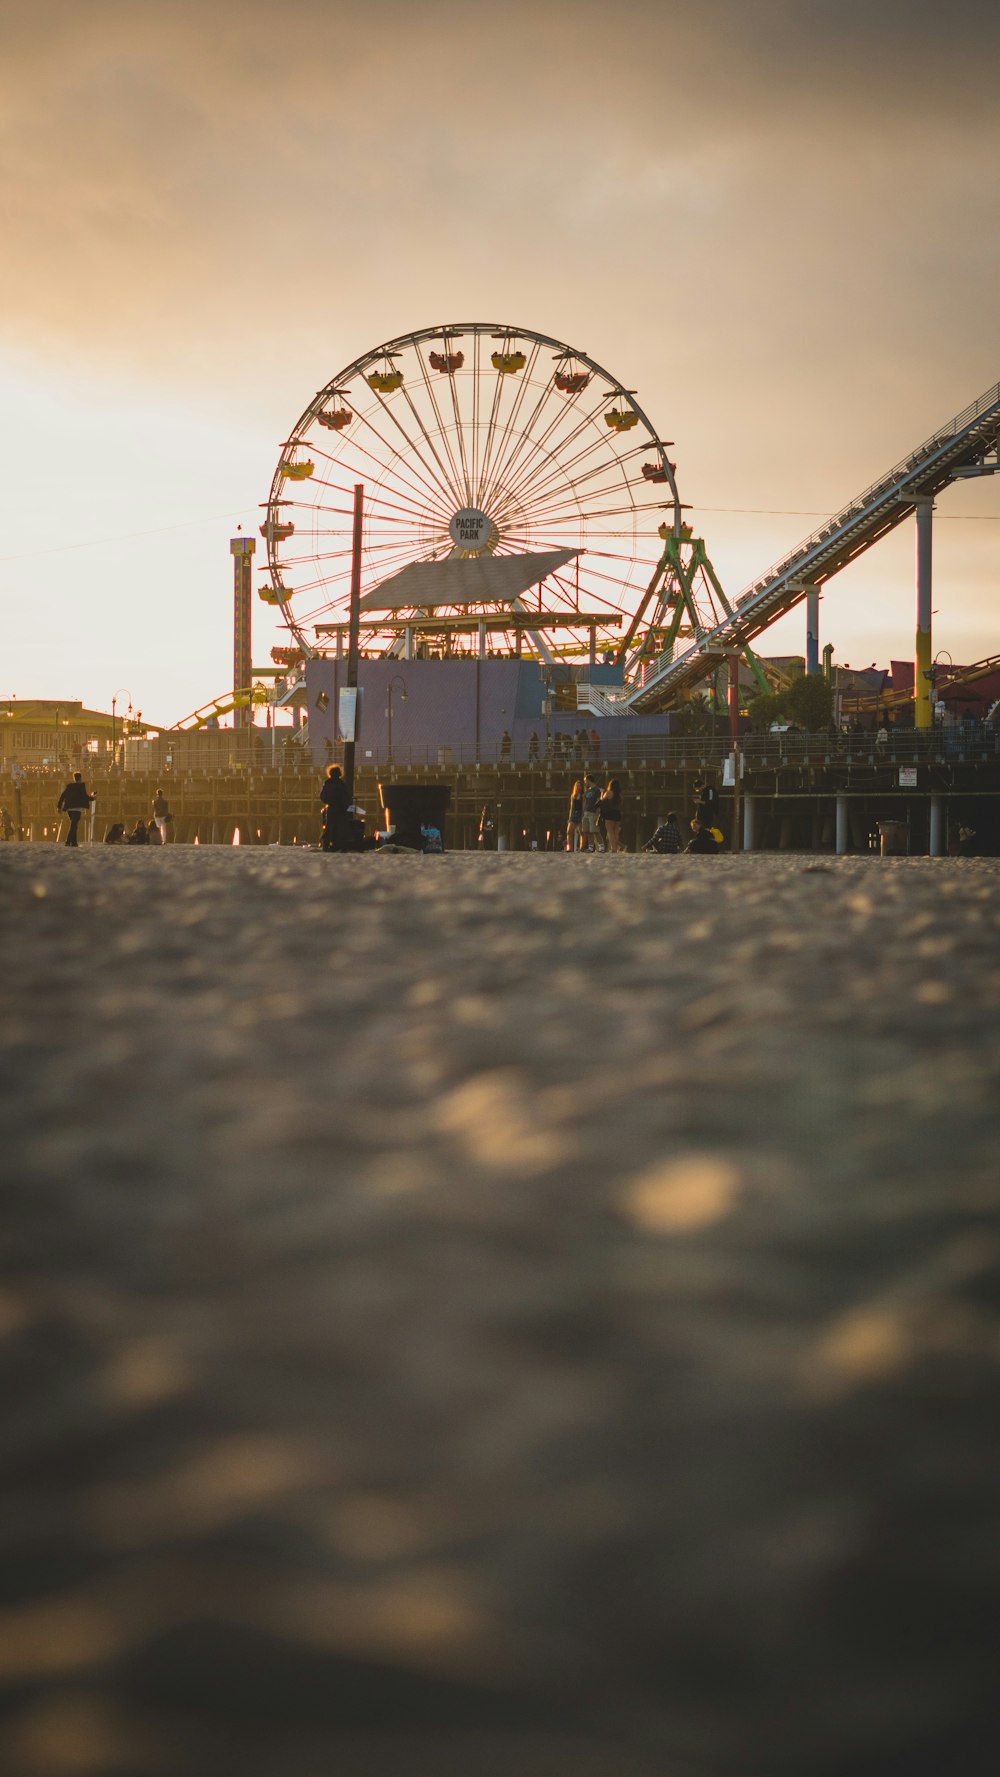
{"points": [[242, 550]]}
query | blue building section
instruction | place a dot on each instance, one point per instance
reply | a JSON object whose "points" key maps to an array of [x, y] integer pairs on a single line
{"points": [[462, 707]]}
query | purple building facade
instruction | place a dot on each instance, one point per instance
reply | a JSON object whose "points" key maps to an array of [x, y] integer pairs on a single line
{"points": [[443, 711]]}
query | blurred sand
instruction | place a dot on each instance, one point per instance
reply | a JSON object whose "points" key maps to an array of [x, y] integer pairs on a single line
{"points": [[512, 1316]]}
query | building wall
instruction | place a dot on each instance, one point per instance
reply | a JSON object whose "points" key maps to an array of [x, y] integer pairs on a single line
{"points": [[451, 704]]}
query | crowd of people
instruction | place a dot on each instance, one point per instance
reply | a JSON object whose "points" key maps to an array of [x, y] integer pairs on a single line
{"points": [[76, 801], [595, 820]]}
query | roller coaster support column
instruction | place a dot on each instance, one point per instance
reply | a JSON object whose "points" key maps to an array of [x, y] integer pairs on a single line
{"points": [[923, 710], [936, 845], [812, 630], [843, 829], [734, 743], [353, 639]]}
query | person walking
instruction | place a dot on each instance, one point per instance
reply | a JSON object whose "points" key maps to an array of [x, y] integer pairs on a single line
{"points": [[575, 816], [162, 816], [74, 801], [611, 812], [333, 797]]}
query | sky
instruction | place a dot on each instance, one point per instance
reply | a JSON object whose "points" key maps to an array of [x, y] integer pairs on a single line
{"points": [[777, 220]]}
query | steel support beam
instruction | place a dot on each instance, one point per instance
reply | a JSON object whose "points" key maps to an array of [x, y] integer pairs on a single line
{"points": [[923, 708]]}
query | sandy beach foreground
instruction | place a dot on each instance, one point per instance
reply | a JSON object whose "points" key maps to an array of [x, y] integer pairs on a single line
{"points": [[513, 1316]]}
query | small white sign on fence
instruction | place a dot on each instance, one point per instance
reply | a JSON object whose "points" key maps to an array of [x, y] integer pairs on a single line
{"points": [[907, 777]]}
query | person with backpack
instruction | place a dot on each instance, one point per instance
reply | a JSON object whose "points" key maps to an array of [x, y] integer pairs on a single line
{"points": [[589, 815], [704, 839]]}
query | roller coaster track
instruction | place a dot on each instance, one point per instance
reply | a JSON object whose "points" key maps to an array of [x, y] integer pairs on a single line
{"points": [[222, 705], [964, 442]]}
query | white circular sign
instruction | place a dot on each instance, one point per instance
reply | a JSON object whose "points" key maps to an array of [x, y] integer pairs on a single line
{"points": [[470, 528]]}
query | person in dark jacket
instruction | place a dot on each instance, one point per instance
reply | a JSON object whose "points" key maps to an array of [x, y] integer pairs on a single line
{"points": [[706, 803], [75, 799], [335, 799], [702, 839]]}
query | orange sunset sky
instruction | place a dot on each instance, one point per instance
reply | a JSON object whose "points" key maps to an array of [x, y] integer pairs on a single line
{"points": [[777, 220]]}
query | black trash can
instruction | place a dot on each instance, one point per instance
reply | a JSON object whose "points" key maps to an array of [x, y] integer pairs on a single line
{"points": [[413, 806]]}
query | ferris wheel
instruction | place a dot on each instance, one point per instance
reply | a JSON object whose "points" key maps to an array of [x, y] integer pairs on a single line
{"points": [[471, 440]]}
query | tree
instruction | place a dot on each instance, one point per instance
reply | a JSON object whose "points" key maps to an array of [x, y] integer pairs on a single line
{"points": [[809, 702], [765, 708]]}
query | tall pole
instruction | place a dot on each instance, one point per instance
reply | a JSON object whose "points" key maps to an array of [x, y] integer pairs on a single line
{"points": [[734, 742], [923, 712], [242, 550], [812, 630], [353, 636]]}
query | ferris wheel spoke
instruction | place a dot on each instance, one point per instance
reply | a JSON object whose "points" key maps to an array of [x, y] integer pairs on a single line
{"points": [[430, 481], [518, 474], [393, 467], [556, 452], [461, 475], [447, 474], [475, 422], [497, 445], [564, 464], [525, 437], [494, 410], [524, 383]]}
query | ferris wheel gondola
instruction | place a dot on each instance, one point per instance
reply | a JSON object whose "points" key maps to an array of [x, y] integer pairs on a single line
{"points": [[510, 443]]}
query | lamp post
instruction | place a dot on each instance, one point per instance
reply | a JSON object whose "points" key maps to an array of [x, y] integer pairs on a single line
{"points": [[114, 707], [393, 682]]}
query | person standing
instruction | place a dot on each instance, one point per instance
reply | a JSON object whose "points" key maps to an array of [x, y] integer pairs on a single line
{"points": [[588, 819], [74, 801], [706, 800], [611, 811], [575, 816], [162, 816], [334, 799]]}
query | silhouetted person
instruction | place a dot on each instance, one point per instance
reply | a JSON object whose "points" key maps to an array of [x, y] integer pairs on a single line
{"points": [[115, 834], [706, 803], [75, 799], [162, 818], [335, 799], [139, 834], [702, 839]]}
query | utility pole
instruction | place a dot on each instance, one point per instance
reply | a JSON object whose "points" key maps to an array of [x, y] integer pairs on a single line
{"points": [[353, 634]]}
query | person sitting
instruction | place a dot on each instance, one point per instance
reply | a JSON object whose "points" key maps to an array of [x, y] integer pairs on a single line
{"points": [[704, 839], [667, 837], [138, 835], [115, 834]]}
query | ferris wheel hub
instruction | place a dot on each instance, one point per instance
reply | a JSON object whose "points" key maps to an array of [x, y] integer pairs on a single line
{"points": [[473, 532]]}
